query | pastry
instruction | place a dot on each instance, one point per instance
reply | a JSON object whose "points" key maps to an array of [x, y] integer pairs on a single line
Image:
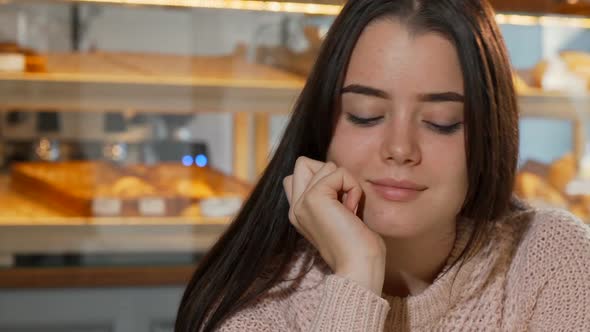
{"points": [[195, 189], [19, 59], [9, 47], [574, 62], [562, 171], [36, 63], [519, 84], [532, 187], [578, 62], [537, 73], [131, 186], [193, 210]]}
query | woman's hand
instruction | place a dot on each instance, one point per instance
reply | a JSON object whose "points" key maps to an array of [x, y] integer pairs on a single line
{"points": [[347, 245]]}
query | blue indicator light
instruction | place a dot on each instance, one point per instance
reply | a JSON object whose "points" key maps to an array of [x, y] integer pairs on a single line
{"points": [[201, 160], [187, 160]]}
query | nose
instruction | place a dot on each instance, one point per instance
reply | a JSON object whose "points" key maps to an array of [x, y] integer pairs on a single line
{"points": [[400, 143]]}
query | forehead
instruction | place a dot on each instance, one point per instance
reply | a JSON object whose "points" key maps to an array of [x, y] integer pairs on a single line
{"points": [[389, 57]]}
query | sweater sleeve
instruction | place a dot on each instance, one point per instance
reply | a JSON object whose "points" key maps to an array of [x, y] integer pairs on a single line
{"points": [[563, 302], [347, 306]]}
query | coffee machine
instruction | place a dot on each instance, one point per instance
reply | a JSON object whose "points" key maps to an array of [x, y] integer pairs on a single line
{"points": [[121, 137]]}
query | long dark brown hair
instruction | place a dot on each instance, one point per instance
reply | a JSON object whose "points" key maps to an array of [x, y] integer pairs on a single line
{"points": [[261, 235]]}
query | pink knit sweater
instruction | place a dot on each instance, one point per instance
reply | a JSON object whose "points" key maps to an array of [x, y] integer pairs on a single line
{"points": [[533, 274]]}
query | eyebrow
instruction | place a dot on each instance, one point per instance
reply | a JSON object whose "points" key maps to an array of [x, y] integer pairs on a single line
{"points": [[442, 97], [365, 90], [435, 97]]}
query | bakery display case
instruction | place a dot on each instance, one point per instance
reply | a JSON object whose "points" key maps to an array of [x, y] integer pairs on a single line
{"points": [[131, 127], [125, 154]]}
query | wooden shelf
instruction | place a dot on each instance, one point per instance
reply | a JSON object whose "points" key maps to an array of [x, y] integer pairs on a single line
{"points": [[151, 83], [105, 82], [554, 105], [29, 227], [169, 83], [113, 238], [69, 277]]}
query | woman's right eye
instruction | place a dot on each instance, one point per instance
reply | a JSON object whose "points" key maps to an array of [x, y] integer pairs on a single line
{"points": [[364, 122]]}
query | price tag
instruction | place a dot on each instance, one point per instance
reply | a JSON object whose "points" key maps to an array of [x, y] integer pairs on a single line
{"points": [[106, 207], [152, 206], [578, 187], [221, 206]]}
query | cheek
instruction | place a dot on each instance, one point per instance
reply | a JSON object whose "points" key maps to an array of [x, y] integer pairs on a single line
{"points": [[446, 161], [351, 148]]}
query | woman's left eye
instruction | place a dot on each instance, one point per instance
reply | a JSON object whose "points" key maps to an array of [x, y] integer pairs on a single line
{"points": [[445, 129]]}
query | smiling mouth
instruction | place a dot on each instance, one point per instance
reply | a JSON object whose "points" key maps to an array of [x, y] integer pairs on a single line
{"points": [[401, 192]]}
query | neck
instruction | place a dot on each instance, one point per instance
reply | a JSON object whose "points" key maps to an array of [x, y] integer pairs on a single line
{"points": [[417, 261]]}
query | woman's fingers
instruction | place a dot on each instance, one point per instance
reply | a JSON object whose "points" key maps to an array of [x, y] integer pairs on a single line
{"points": [[348, 197], [305, 168], [288, 187], [296, 209], [309, 172], [327, 169], [297, 184], [339, 181], [332, 183]]}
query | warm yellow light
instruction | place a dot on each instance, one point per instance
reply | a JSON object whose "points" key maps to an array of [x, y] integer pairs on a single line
{"points": [[517, 19], [256, 5], [556, 21], [330, 10], [574, 22]]}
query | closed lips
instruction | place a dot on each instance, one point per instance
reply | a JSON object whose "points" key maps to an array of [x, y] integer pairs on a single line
{"points": [[403, 184]]}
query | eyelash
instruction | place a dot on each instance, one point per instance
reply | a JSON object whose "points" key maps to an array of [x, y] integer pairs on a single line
{"points": [[363, 122], [446, 130], [367, 122]]}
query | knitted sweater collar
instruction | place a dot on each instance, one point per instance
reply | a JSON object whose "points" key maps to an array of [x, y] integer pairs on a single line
{"points": [[447, 289]]}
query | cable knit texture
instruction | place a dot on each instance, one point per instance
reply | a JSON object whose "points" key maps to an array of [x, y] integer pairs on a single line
{"points": [[533, 274]]}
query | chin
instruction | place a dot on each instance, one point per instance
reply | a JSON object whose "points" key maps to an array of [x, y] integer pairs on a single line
{"points": [[395, 223]]}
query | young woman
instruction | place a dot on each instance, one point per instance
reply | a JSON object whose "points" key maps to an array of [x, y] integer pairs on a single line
{"points": [[388, 204]]}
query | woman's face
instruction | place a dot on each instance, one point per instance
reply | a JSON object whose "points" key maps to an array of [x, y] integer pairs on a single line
{"points": [[400, 130]]}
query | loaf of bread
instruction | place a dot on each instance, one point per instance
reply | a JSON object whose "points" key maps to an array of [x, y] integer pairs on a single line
{"points": [[193, 188], [17, 58], [192, 211], [86, 188], [132, 187]]}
